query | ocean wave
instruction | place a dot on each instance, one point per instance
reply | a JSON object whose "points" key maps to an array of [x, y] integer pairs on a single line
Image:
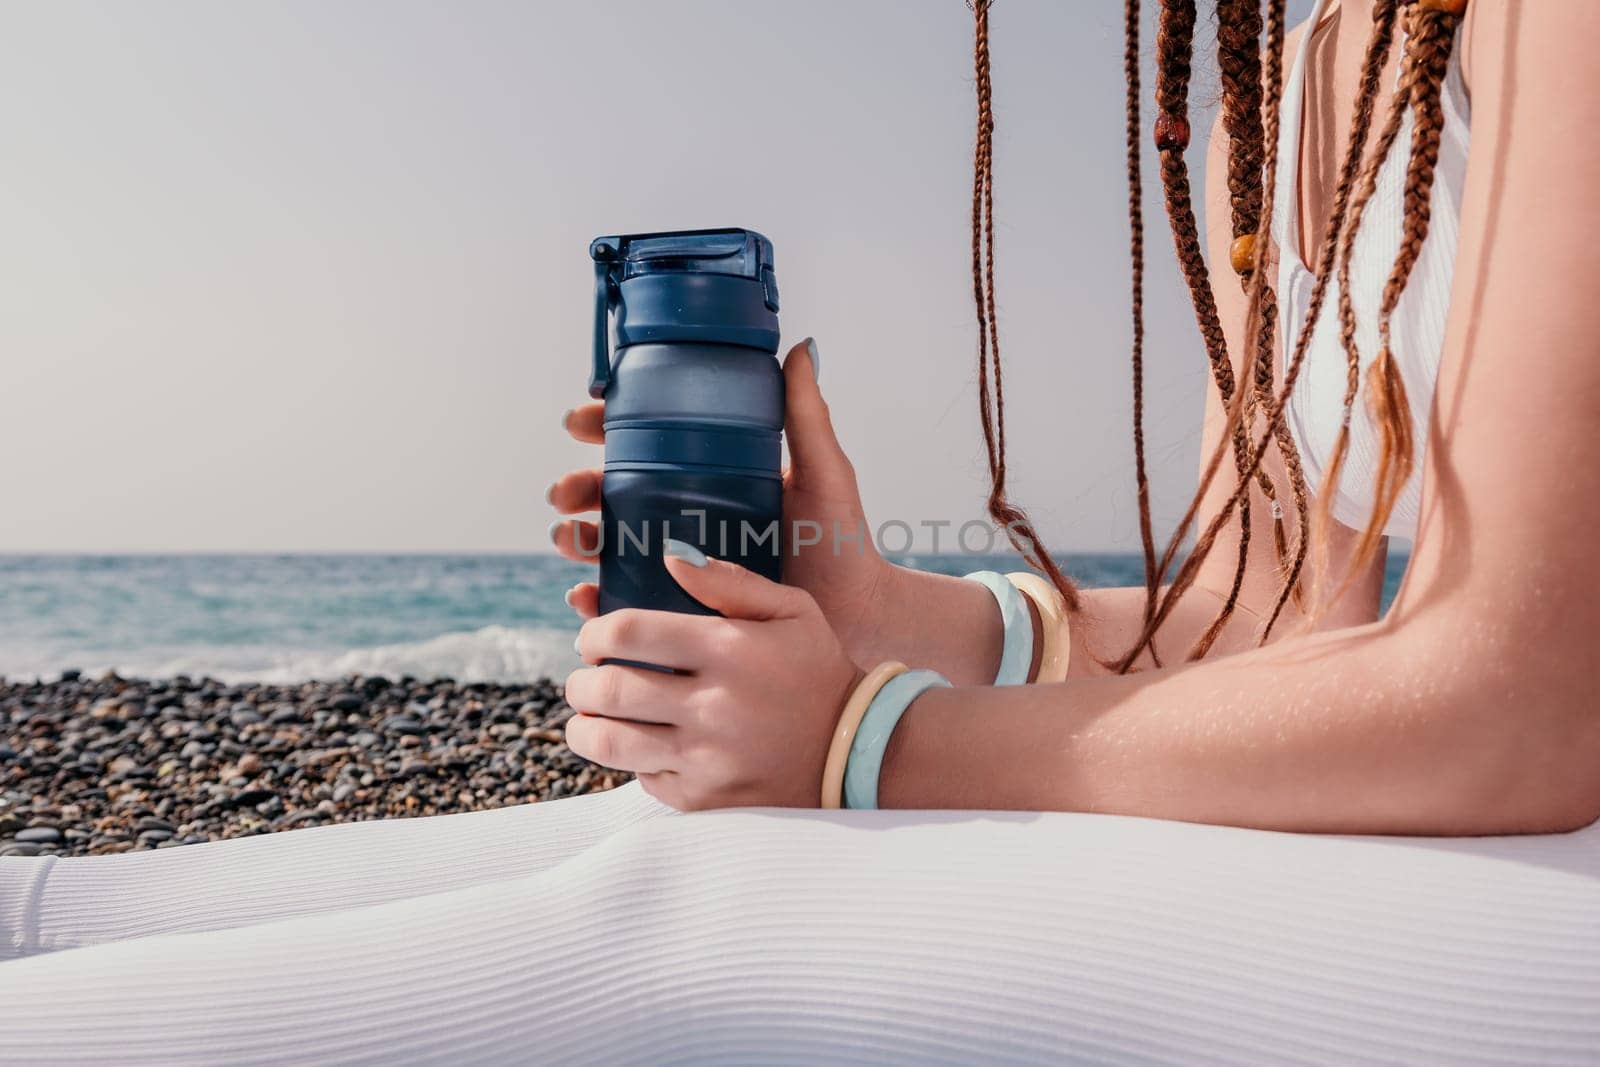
{"points": [[491, 654]]}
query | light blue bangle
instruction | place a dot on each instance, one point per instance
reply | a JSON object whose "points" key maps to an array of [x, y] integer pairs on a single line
{"points": [[865, 762], [1016, 656]]}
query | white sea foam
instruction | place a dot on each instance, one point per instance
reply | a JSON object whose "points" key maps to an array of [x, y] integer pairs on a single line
{"points": [[491, 654]]}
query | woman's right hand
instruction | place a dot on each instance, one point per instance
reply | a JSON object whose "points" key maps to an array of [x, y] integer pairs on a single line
{"points": [[846, 576]]}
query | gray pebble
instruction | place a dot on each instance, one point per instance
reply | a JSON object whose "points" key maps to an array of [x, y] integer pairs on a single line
{"points": [[405, 725], [39, 835]]}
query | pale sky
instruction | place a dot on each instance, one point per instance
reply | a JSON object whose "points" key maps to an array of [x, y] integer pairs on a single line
{"points": [[314, 276]]}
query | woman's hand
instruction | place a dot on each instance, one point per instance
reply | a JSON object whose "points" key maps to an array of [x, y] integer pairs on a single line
{"points": [[746, 722], [846, 577]]}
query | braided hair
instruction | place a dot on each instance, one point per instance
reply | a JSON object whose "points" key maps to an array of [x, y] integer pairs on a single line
{"points": [[991, 388], [1252, 85]]}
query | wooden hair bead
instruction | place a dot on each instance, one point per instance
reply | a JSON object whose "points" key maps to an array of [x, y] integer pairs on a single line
{"points": [[1449, 7], [1172, 131], [1242, 253]]}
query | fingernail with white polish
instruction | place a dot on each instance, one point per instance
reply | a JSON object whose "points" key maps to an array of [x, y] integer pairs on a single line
{"points": [[566, 417], [685, 551], [568, 595], [575, 647], [816, 360], [555, 528], [550, 494]]}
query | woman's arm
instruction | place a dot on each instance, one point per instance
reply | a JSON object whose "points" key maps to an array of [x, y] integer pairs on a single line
{"points": [[1470, 707]]}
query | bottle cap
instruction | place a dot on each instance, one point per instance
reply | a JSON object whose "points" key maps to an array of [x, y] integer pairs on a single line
{"points": [[706, 286]]}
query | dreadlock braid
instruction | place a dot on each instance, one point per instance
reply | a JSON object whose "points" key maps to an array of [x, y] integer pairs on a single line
{"points": [[1175, 47], [1378, 46], [1239, 25], [991, 411], [1431, 37], [1135, 136], [1325, 261], [1387, 136], [982, 158], [1260, 399], [1261, 316], [1239, 58]]}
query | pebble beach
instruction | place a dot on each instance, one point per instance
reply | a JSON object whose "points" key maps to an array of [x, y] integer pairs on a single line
{"points": [[144, 747], [91, 766]]}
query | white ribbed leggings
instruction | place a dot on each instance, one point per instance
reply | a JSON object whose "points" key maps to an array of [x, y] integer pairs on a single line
{"points": [[592, 930]]}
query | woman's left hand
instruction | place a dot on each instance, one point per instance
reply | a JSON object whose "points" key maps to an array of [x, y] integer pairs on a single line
{"points": [[749, 721]]}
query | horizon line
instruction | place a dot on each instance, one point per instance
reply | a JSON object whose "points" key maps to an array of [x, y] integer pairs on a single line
{"points": [[368, 552]]}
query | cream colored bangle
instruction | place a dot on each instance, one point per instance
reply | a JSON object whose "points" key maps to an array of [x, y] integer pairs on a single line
{"points": [[844, 734], [1057, 651]]}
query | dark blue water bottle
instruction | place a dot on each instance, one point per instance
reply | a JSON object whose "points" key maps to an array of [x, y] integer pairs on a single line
{"points": [[694, 407]]}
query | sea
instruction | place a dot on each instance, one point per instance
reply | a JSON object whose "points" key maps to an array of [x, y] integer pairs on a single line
{"points": [[289, 618]]}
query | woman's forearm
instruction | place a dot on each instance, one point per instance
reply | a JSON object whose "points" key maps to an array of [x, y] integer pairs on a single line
{"points": [[932, 621], [1358, 730], [951, 625]]}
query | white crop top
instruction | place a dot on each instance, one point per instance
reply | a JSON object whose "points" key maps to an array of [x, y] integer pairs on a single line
{"points": [[1418, 324]]}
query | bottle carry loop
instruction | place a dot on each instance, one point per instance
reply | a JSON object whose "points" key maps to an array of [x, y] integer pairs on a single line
{"points": [[604, 251]]}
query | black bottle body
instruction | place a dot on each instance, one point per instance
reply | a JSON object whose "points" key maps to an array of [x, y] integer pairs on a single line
{"points": [[707, 509]]}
